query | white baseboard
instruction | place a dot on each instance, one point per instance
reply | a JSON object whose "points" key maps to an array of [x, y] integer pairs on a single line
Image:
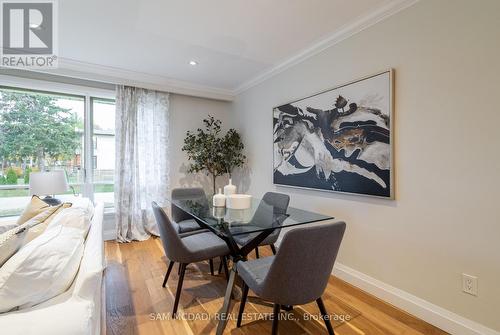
{"points": [[433, 314], [109, 234]]}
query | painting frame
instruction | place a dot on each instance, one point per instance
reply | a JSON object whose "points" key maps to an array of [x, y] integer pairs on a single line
{"points": [[391, 113]]}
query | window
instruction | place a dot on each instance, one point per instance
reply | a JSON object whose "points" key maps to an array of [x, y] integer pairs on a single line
{"points": [[103, 111], [42, 131]]}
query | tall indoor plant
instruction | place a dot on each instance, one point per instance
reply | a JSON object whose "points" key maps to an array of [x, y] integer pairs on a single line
{"points": [[210, 151]]}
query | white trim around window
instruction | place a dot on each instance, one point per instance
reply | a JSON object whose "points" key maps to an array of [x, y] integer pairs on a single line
{"points": [[54, 87]]}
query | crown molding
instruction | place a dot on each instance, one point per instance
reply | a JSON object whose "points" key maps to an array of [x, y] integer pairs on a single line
{"points": [[362, 23], [108, 74]]}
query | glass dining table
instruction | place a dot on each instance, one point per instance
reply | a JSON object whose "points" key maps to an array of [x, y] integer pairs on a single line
{"points": [[255, 223]]}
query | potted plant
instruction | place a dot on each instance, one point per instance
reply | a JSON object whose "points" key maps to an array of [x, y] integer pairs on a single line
{"points": [[209, 151]]}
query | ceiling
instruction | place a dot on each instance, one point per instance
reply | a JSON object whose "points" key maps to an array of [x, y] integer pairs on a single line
{"points": [[233, 41]]}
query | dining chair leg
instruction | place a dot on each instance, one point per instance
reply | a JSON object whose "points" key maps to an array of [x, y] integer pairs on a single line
{"points": [[242, 304], [273, 248], [226, 271], [211, 262], [220, 267], [170, 266], [179, 287], [325, 316], [257, 252], [179, 269], [276, 314]]}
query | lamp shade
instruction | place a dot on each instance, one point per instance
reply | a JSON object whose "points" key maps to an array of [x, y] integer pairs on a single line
{"points": [[48, 183]]}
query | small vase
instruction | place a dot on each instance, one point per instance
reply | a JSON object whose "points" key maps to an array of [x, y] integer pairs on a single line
{"points": [[229, 188], [218, 212], [219, 200]]}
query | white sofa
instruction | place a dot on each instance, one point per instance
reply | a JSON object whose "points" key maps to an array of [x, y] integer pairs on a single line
{"points": [[76, 311]]}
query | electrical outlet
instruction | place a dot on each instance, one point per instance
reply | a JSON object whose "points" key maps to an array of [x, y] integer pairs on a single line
{"points": [[469, 284]]}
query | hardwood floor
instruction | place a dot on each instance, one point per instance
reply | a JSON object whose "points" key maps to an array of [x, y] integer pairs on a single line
{"points": [[136, 303]]}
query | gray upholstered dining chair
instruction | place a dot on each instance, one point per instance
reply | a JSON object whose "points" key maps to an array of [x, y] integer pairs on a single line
{"points": [[299, 272], [185, 221], [184, 250], [279, 201]]}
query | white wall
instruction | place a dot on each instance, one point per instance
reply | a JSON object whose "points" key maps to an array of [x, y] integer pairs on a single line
{"points": [[445, 220], [187, 113]]}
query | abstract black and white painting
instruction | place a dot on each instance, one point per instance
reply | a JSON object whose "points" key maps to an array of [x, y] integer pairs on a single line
{"points": [[338, 140]]}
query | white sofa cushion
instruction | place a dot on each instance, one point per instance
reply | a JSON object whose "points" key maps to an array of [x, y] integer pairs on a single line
{"points": [[72, 217], [12, 240], [73, 316], [46, 266], [85, 204], [93, 262], [79, 307]]}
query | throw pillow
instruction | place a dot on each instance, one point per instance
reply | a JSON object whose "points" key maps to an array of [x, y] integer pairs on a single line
{"points": [[40, 222], [8, 225], [35, 207], [11, 241]]}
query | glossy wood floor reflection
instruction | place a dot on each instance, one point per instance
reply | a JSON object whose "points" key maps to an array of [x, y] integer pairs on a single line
{"points": [[136, 303]]}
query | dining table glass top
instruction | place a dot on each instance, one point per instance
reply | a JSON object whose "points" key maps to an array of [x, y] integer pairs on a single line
{"points": [[260, 216]]}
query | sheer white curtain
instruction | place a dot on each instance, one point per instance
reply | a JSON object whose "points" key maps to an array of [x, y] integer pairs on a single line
{"points": [[142, 169]]}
